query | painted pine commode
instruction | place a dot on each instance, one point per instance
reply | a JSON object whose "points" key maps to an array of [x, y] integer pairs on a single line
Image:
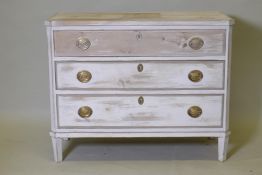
{"points": [[139, 75]]}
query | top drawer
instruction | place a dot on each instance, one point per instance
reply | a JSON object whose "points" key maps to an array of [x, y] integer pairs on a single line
{"points": [[140, 43]]}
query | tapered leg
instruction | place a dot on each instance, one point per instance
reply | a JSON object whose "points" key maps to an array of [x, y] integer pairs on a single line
{"points": [[57, 149], [222, 148]]}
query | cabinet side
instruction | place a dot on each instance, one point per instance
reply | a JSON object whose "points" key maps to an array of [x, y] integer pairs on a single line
{"points": [[228, 77], [51, 78]]}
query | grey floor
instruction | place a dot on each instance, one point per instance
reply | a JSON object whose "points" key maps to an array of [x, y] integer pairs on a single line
{"points": [[25, 148]]}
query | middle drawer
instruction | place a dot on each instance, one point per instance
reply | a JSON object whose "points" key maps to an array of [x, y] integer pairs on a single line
{"points": [[140, 75]]}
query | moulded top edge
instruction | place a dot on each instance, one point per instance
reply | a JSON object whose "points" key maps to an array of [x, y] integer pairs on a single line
{"points": [[160, 18]]}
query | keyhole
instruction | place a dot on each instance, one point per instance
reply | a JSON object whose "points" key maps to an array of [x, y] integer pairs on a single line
{"points": [[140, 67], [141, 100], [139, 36]]}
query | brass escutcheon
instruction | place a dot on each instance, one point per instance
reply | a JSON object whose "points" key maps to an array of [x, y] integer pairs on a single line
{"points": [[85, 112], [83, 43], [140, 67], [196, 43], [194, 111], [140, 100], [84, 76], [195, 75]]}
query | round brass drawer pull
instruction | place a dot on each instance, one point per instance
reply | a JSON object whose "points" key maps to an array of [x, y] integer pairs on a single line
{"points": [[196, 43], [194, 111], [140, 67], [83, 43], [195, 75], [140, 100], [84, 76], [85, 112]]}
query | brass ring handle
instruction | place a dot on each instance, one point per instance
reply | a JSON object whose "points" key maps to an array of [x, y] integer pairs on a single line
{"points": [[196, 43], [194, 111], [195, 76], [83, 43], [85, 112], [140, 100], [84, 76]]}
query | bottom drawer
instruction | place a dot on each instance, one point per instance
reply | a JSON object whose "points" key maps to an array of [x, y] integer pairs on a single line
{"points": [[96, 111]]}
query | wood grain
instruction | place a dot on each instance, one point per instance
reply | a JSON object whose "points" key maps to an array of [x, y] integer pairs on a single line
{"points": [[124, 110], [155, 75], [140, 43]]}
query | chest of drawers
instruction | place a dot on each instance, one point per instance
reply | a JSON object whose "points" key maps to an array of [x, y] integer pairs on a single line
{"points": [[139, 75]]}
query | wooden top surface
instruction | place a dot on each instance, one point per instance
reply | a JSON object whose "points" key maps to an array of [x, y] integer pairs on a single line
{"points": [[158, 18]]}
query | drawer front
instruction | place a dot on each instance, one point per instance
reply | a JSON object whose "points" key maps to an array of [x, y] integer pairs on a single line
{"points": [[140, 111], [139, 75], [140, 43]]}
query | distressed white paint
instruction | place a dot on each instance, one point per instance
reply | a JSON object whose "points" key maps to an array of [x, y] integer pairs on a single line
{"points": [[142, 92], [125, 111], [142, 58], [140, 43], [57, 147], [51, 78], [140, 134], [222, 147], [214, 28], [150, 130], [124, 75], [137, 27], [227, 79]]}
